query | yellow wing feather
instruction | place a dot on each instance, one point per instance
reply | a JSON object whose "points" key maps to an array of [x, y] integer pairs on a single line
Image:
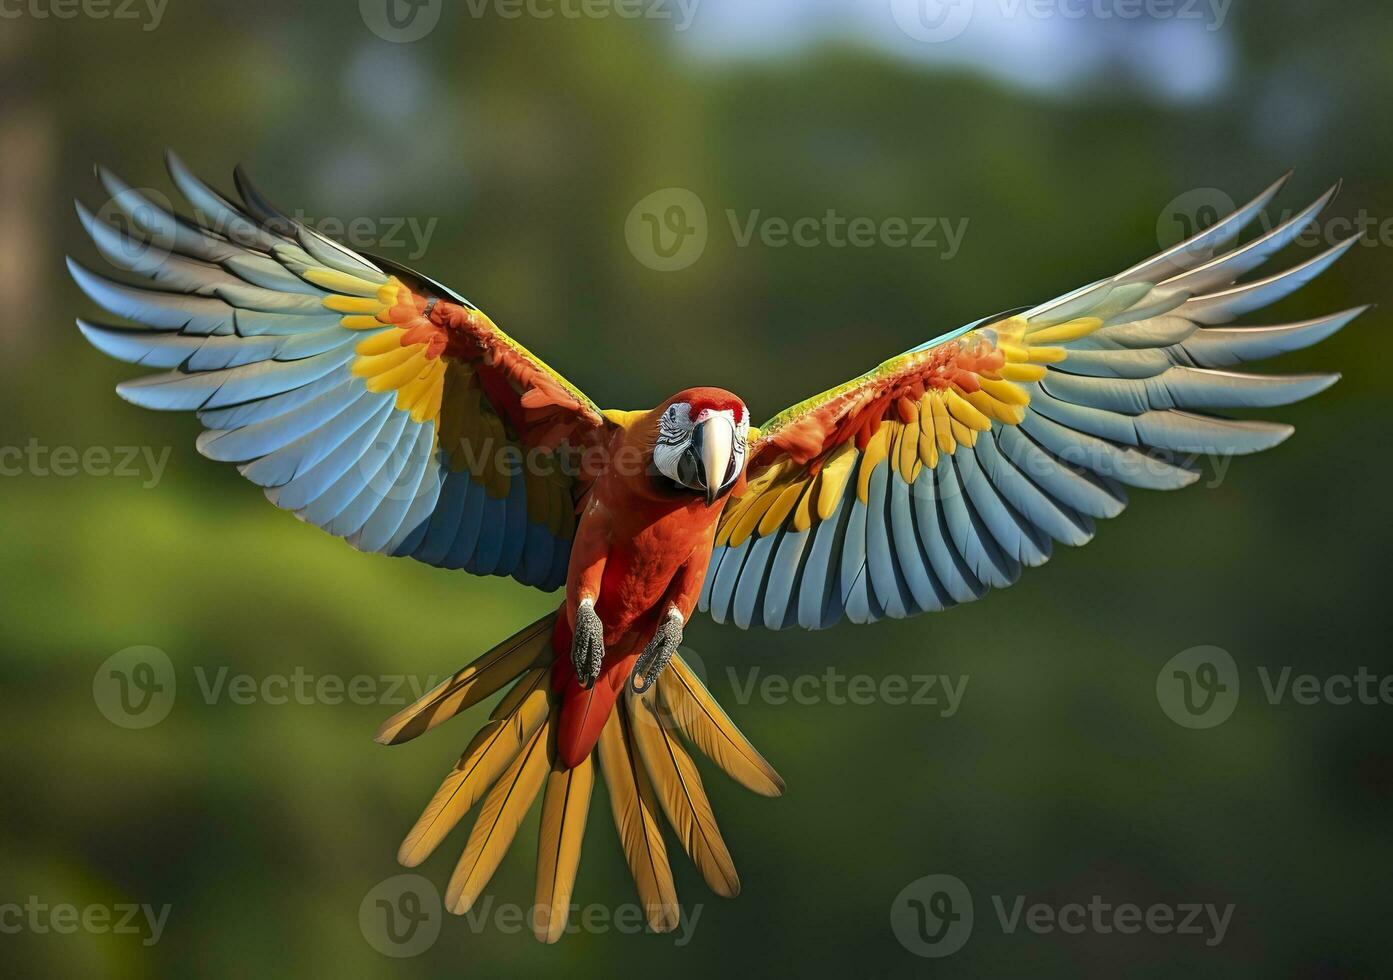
{"points": [[950, 412]]}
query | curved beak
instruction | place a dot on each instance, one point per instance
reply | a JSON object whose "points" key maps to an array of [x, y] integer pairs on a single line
{"points": [[712, 444]]}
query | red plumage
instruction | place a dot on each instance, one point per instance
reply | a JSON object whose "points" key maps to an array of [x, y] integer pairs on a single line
{"points": [[641, 546], [714, 399]]}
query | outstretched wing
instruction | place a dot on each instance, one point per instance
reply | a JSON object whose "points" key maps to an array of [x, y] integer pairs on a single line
{"points": [[946, 470], [367, 399]]}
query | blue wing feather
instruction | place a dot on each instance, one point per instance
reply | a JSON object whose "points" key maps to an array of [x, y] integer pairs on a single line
{"points": [[470, 525], [885, 579], [783, 577], [231, 307]]}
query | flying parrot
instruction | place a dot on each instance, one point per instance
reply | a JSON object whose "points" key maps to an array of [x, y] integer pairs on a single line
{"points": [[383, 407]]}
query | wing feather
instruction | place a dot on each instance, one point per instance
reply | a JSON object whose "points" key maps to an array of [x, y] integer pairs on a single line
{"points": [[290, 346], [965, 458]]}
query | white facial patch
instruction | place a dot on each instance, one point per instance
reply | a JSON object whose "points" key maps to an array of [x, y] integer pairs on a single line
{"points": [[674, 436]]}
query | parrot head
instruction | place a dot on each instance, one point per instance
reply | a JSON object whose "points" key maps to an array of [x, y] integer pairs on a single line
{"points": [[702, 436]]}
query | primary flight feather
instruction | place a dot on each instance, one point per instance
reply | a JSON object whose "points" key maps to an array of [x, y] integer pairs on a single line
{"points": [[383, 407]]}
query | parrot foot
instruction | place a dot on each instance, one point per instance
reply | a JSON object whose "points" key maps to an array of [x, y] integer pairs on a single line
{"points": [[659, 652], [588, 643]]}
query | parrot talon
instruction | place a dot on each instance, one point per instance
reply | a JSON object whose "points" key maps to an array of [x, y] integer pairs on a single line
{"points": [[644, 675], [659, 652], [588, 644]]}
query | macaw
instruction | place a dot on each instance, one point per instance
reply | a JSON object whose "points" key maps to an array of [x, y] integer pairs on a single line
{"points": [[383, 407]]}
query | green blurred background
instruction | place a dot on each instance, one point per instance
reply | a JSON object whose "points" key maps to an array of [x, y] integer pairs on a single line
{"points": [[523, 143]]}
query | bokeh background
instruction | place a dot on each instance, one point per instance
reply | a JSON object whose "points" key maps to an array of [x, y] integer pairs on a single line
{"points": [[1062, 134]]}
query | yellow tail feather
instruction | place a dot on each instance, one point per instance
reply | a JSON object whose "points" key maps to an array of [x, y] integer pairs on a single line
{"points": [[495, 746], [503, 810], [530, 647], [680, 792], [706, 726], [636, 818], [644, 765], [565, 806]]}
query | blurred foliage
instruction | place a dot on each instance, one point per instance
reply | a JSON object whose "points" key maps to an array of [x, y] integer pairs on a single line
{"points": [[264, 826]]}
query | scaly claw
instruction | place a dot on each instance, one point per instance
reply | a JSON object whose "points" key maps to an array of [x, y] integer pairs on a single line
{"points": [[588, 643], [659, 652]]}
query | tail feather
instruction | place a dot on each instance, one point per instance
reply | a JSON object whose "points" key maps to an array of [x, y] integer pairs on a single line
{"points": [[680, 791], [532, 681], [705, 725], [635, 809], [469, 685], [519, 751], [496, 745], [504, 808], [565, 807]]}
